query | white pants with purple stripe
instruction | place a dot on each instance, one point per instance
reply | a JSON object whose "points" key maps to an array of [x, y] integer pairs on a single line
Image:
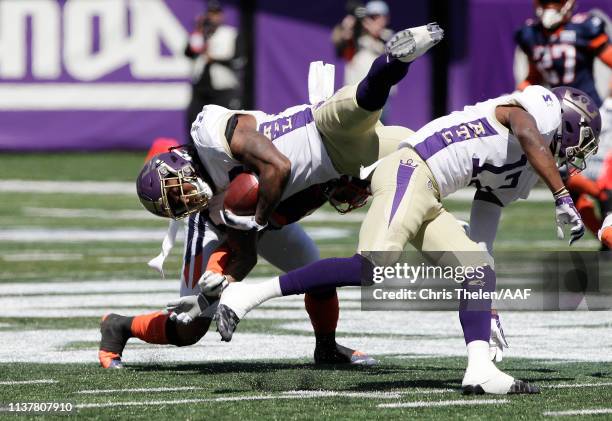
{"points": [[288, 248]]}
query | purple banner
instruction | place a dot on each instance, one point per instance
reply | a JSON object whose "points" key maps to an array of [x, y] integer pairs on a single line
{"points": [[97, 75]]}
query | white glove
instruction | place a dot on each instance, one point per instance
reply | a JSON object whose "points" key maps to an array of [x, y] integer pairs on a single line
{"points": [[242, 223], [212, 283], [498, 342], [186, 309], [567, 214]]}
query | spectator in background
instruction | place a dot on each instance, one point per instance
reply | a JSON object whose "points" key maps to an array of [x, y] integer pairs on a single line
{"points": [[360, 38], [561, 46], [213, 47]]}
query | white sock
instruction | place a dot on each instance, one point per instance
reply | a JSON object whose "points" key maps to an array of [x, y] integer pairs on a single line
{"points": [[242, 297], [478, 353], [267, 290]]}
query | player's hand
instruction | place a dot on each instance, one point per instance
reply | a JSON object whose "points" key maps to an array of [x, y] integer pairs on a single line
{"points": [[242, 223], [212, 283], [186, 309], [567, 214], [497, 342]]}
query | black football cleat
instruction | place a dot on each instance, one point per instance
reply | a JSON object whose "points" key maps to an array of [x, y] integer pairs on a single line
{"points": [[227, 322], [115, 330], [338, 354]]}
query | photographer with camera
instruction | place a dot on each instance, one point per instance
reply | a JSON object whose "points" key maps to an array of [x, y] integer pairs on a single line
{"points": [[213, 47], [360, 38]]}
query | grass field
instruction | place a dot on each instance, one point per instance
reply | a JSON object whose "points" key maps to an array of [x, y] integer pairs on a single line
{"points": [[70, 252]]}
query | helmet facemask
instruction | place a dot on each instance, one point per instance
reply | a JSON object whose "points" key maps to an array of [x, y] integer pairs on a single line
{"points": [[182, 191], [551, 17], [575, 157], [348, 194]]}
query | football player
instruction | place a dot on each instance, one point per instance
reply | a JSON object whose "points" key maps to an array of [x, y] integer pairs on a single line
{"points": [[290, 152], [500, 146], [207, 251], [561, 46]]}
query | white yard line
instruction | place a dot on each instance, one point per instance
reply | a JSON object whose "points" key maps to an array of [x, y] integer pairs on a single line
{"points": [[575, 412], [48, 235], [17, 382], [137, 390], [294, 394], [72, 187], [429, 404], [579, 385], [129, 188]]}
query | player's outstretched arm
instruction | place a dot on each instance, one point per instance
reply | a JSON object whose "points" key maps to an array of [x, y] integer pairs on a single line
{"points": [[260, 155], [524, 127]]}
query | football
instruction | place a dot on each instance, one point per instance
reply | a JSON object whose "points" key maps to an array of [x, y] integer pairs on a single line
{"points": [[241, 194]]}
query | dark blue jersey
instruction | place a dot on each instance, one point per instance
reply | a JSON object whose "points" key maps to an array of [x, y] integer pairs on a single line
{"points": [[565, 56]]}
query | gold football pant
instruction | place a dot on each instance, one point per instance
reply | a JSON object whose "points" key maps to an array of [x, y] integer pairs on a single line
{"points": [[406, 208], [353, 136]]}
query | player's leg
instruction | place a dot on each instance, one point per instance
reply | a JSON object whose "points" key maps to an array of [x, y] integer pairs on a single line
{"points": [[347, 120], [291, 248], [403, 197], [444, 233], [201, 239], [389, 138]]}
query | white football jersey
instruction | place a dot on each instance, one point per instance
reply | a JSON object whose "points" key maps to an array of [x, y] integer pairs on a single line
{"points": [[293, 132], [471, 147]]}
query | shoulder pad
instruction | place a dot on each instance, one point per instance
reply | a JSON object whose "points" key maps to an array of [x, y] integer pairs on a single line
{"points": [[591, 25], [543, 105]]}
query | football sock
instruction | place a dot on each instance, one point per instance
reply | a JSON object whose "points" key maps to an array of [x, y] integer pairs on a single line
{"points": [[374, 89], [325, 274], [323, 310], [475, 314], [151, 328], [478, 352], [586, 208]]}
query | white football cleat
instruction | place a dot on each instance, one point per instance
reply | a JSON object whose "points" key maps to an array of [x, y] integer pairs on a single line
{"points": [[490, 379], [411, 43]]}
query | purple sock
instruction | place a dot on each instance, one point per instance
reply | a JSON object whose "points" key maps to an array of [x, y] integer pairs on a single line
{"points": [[373, 90], [325, 274], [475, 314]]}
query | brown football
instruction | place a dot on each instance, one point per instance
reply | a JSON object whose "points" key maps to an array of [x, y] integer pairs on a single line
{"points": [[241, 195]]}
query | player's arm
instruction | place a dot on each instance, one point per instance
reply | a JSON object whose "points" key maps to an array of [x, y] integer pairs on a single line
{"points": [[534, 77], [606, 55], [260, 155], [525, 129]]}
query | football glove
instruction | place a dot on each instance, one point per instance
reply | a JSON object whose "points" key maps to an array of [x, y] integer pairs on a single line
{"points": [[186, 309], [567, 214], [498, 341], [212, 283], [242, 223]]}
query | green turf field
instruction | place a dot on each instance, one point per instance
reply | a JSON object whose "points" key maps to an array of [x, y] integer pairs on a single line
{"points": [[71, 252]]}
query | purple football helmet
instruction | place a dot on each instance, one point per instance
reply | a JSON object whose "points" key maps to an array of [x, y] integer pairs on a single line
{"points": [[169, 186], [577, 137]]}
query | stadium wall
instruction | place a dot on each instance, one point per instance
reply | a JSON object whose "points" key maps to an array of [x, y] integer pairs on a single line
{"points": [[80, 75]]}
